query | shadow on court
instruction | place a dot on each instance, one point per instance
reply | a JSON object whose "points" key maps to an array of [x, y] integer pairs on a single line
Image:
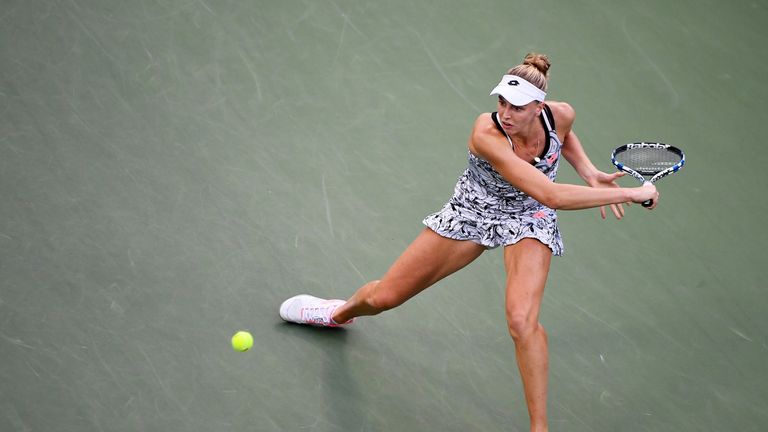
{"points": [[341, 396]]}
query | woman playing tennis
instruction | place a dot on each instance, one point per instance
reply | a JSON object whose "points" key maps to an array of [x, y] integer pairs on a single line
{"points": [[506, 197]]}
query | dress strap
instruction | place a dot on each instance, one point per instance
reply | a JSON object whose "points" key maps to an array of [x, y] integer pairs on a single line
{"points": [[548, 118]]}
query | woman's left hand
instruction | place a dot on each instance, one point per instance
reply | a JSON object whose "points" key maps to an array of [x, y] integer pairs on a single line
{"points": [[602, 180]]}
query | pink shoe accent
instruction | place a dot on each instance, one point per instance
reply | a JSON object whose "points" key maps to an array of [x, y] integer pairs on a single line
{"points": [[321, 314]]}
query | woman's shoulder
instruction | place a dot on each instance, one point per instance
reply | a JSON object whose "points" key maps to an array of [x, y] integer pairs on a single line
{"points": [[563, 112], [483, 131], [564, 116], [483, 119], [484, 125]]}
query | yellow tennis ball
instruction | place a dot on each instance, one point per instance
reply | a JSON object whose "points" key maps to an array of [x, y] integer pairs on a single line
{"points": [[242, 341]]}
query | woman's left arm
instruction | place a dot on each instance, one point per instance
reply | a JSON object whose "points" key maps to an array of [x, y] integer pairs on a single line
{"points": [[574, 153]]}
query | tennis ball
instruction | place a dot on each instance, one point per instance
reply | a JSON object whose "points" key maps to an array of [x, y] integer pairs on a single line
{"points": [[242, 341]]}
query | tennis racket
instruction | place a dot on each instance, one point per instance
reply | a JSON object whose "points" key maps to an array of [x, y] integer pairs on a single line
{"points": [[653, 159]]}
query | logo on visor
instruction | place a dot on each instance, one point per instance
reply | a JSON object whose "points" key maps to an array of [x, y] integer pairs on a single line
{"points": [[514, 83]]}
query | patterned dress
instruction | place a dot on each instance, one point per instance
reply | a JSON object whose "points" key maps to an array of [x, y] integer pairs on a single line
{"points": [[488, 210]]}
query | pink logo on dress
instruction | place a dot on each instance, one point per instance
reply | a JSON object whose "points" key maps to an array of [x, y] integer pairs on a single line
{"points": [[553, 158], [539, 215]]}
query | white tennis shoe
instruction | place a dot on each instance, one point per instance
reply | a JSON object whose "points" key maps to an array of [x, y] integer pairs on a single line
{"points": [[307, 309]]}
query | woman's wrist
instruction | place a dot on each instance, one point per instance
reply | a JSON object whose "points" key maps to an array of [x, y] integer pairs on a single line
{"points": [[590, 177], [633, 194]]}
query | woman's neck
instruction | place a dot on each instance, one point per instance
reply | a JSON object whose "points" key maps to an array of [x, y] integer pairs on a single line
{"points": [[529, 137]]}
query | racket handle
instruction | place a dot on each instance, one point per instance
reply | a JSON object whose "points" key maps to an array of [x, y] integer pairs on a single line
{"points": [[650, 201]]}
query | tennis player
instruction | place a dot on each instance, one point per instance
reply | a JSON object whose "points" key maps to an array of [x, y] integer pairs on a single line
{"points": [[506, 197]]}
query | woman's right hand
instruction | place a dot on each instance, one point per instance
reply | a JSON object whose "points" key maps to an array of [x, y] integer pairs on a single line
{"points": [[647, 192]]}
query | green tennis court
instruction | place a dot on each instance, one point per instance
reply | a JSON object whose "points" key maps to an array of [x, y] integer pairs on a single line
{"points": [[170, 171]]}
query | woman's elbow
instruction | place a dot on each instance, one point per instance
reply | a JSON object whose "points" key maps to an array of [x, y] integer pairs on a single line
{"points": [[551, 199]]}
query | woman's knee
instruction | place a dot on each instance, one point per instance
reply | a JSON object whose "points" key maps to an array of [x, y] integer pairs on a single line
{"points": [[383, 299], [521, 324]]}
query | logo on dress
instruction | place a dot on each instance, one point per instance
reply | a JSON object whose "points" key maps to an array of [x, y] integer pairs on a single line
{"points": [[552, 158]]}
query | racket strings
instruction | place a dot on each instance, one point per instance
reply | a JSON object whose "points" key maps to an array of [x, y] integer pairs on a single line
{"points": [[648, 161]]}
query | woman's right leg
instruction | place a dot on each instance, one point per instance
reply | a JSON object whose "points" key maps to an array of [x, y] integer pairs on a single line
{"points": [[428, 259]]}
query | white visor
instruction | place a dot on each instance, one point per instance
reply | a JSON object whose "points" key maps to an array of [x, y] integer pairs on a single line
{"points": [[518, 91]]}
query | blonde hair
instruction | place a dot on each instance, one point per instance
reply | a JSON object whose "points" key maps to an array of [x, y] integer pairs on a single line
{"points": [[534, 69]]}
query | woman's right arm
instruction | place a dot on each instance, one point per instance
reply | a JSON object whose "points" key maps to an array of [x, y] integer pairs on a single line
{"points": [[488, 144]]}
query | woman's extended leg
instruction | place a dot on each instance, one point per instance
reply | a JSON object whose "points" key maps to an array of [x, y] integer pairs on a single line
{"points": [[428, 259], [527, 264]]}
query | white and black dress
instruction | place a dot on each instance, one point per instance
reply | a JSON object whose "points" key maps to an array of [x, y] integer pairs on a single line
{"points": [[488, 210]]}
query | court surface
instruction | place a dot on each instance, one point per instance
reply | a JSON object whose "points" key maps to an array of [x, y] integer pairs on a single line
{"points": [[170, 171]]}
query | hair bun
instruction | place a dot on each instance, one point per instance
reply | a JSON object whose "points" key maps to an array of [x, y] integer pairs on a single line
{"points": [[539, 61]]}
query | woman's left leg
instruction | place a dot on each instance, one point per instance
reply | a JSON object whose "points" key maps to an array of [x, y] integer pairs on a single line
{"points": [[527, 265]]}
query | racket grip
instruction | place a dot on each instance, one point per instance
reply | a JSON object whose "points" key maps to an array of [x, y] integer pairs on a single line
{"points": [[650, 201]]}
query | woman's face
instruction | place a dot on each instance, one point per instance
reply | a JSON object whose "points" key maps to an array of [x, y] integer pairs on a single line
{"points": [[517, 119]]}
